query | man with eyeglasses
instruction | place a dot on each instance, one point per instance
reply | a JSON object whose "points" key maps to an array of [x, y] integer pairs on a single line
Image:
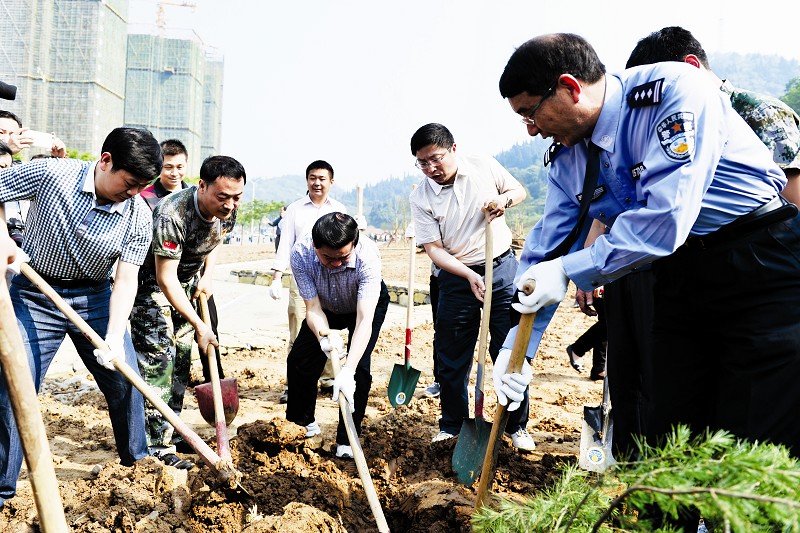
{"points": [[448, 209], [658, 155]]}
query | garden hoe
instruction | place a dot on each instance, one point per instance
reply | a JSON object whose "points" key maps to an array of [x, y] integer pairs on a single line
{"points": [[404, 378], [596, 435], [501, 414], [223, 468], [206, 393], [474, 435], [358, 452], [32, 434]]}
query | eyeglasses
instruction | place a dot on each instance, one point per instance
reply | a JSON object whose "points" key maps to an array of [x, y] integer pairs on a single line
{"points": [[528, 118], [422, 164]]}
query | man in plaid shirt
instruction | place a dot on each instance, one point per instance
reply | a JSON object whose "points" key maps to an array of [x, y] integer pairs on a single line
{"points": [[84, 217], [339, 278]]}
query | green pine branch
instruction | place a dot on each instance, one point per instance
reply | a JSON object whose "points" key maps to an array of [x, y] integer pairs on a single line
{"points": [[734, 484]]}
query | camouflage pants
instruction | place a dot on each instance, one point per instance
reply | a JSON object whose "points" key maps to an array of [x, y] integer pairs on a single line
{"points": [[163, 342]]}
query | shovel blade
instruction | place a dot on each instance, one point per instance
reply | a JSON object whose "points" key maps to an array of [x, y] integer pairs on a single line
{"points": [[230, 400], [470, 449], [595, 452], [402, 384]]}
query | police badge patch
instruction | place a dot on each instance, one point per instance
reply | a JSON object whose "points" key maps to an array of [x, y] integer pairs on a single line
{"points": [[676, 134]]}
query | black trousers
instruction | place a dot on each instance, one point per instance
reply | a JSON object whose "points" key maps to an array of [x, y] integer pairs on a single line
{"points": [[434, 294], [629, 318], [307, 360], [726, 334], [212, 315], [595, 338]]}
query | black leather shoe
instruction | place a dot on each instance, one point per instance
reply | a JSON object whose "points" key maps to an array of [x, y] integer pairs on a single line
{"points": [[597, 376], [574, 363], [181, 446], [170, 459]]}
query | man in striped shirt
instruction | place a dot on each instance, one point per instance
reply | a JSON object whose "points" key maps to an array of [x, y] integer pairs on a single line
{"points": [[84, 217], [339, 278]]}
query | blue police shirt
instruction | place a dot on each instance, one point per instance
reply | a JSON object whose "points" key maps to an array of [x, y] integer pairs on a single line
{"points": [[676, 160]]}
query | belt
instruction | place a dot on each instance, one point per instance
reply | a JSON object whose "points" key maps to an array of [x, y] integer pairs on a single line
{"points": [[73, 283], [776, 210], [499, 258]]}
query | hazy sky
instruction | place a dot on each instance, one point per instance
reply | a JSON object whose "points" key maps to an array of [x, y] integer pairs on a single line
{"points": [[350, 81]]}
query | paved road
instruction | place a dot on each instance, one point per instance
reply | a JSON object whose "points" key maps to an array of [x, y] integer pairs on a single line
{"points": [[248, 316]]}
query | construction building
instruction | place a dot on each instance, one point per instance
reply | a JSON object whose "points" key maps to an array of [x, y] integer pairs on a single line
{"points": [[67, 59]]}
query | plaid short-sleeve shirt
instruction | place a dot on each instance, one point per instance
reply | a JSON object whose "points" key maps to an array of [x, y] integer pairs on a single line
{"points": [[67, 235]]}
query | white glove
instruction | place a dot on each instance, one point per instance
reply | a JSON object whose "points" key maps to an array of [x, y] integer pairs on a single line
{"points": [[116, 349], [510, 386], [332, 341], [345, 383], [20, 258], [410, 231], [551, 286], [275, 288], [204, 338]]}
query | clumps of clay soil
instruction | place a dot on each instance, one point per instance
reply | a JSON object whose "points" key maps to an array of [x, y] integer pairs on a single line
{"points": [[296, 484]]}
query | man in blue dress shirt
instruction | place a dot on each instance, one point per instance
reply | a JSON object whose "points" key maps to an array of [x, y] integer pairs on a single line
{"points": [[683, 183]]}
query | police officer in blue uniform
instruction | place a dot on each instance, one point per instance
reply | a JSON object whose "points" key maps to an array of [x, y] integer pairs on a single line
{"points": [[659, 156]]}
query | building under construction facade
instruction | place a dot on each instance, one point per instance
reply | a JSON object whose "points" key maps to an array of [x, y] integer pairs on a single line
{"points": [[164, 90], [67, 59]]}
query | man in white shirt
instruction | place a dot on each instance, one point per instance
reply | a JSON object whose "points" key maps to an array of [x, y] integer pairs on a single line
{"points": [[448, 209], [298, 220]]}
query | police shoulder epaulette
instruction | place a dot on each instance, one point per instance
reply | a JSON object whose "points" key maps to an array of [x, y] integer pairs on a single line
{"points": [[552, 152], [646, 94]]}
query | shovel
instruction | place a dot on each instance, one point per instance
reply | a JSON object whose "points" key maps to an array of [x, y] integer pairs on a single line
{"points": [[25, 404], [206, 393], [404, 378], [358, 452], [474, 435], [596, 435], [215, 402], [501, 414], [223, 468]]}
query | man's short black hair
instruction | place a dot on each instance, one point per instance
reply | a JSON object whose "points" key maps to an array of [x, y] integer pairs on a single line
{"points": [[173, 147], [672, 43], [217, 166], [536, 65], [319, 164], [432, 133], [135, 151], [335, 230], [12, 116]]}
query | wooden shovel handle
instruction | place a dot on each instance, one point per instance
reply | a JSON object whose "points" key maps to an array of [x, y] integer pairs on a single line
{"points": [[485, 315], [355, 444], [225, 471], [32, 434], [223, 446], [521, 341]]}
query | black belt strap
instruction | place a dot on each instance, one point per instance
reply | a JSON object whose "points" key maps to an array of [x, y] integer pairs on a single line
{"points": [[589, 184]]}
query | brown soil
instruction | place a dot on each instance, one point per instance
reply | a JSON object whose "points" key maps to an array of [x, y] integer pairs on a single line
{"points": [[297, 484]]}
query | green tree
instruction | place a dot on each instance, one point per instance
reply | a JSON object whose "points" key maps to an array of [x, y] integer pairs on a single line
{"points": [[792, 96], [251, 213], [73, 153]]}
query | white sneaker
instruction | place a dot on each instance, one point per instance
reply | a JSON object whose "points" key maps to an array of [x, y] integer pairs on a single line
{"points": [[325, 383], [442, 435], [433, 390], [522, 440], [312, 430], [343, 451]]}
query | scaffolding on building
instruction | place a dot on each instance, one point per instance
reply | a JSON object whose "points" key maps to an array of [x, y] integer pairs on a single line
{"points": [[67, 59]]}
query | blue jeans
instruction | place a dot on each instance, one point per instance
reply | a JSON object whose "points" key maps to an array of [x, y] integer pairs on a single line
{"points": [[458, 320], [43, 328]]}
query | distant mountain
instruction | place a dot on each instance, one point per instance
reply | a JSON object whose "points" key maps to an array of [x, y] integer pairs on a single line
{"points": [[281, 188], [386, 202], [768, 74]]}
